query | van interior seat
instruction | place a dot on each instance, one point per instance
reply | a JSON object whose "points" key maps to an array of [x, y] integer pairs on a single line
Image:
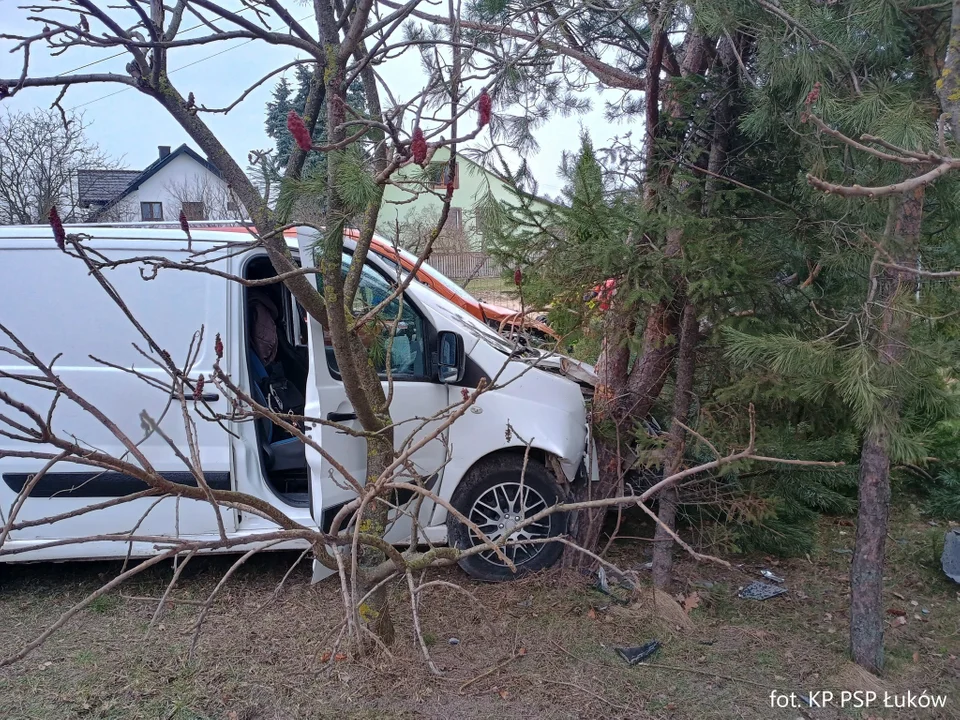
{"points": [[276, 365], [284, 455]]}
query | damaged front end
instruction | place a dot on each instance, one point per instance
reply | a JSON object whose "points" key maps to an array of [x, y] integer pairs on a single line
{"points": [[585, 377]]}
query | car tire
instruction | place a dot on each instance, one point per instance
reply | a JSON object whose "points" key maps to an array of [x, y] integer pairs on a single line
{"points": [[487, 495]]}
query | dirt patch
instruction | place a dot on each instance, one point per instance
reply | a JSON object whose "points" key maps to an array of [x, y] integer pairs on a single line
{"points": [[542, 647]]}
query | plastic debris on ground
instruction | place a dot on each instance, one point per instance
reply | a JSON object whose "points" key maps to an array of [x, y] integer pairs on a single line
{"points": [[621, 592], [950, 560], [635, 655], [770, 576], [760, 591]]}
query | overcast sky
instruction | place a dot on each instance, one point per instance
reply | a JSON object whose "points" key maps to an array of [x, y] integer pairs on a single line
{"points": [[130, 125]]}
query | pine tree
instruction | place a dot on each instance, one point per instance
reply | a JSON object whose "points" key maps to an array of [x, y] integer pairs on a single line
{"points": [[798, 315], [863, 345]]}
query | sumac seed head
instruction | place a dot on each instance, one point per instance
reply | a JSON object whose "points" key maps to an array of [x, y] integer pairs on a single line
{"points": [[218, 347], [59, 234], [184, 225], [298, 129], [484, 108], [418, 146]]}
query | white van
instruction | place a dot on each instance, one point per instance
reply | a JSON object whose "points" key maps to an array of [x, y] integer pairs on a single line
{"points": [[55, 307]]}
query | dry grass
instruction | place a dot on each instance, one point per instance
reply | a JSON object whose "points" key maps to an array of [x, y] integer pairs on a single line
{"points": [[855, 678], [547, 652]]}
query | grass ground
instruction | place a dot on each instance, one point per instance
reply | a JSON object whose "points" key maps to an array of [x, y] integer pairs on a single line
{"points": [[494, 290], [540, 647]]}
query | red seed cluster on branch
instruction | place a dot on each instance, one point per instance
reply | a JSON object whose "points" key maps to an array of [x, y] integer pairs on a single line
{"points": [[517, 277], [484, 108], [298, 129], [418, 146], [184, 225], [198, 389], [59, 234], [812, 97], [218, 347]]}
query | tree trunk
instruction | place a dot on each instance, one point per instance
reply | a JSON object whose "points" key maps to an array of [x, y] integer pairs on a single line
{"points": [[650, 370], [626, 398], [668, 498], [948, 84], [375, 610], [360, 380], [612, 365], [866, 568]]}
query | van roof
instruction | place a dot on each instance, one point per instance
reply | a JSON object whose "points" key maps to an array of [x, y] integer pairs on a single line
{"points": [[200, 231], [166, 233]]}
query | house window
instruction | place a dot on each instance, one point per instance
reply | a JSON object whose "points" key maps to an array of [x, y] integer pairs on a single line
{"points": [[151, 211], [195, 210], [455, 218], [441, 175]]}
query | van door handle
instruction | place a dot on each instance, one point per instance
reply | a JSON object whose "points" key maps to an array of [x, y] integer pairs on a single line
{"points": [[206, 397], [341, 417]]}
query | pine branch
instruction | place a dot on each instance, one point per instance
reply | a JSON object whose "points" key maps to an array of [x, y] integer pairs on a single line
{"points": [[900, 188]]}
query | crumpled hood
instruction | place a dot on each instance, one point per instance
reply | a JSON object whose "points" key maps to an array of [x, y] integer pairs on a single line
{"points": [[582, 373], [500, 314]]}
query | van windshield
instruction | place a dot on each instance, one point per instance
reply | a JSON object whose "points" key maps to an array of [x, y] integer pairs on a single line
{"points": [[439, 277]]}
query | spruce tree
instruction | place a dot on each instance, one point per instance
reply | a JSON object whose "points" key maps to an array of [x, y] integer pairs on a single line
{"points": [[276, 123], [287, 98]]}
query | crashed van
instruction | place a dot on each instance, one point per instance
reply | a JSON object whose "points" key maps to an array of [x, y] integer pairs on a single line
{"points": [[59, 311]]}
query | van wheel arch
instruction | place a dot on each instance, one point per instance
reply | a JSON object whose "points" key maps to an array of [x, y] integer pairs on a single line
{"points": [[544, 457]]}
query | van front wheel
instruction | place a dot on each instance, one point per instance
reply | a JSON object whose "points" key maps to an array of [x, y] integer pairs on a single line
{"points": [[497, 496]]}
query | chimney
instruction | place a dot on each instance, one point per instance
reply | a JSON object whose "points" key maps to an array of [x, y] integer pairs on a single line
{"points": [[164, 151]]}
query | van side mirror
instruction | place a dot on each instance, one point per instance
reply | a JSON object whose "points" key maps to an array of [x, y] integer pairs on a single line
{"points": [[451, 359]]}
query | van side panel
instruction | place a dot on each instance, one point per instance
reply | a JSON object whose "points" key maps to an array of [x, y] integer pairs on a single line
{"points": [[55, 306]]}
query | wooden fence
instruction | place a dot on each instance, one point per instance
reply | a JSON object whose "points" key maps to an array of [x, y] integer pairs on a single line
{"points": [[460, 266]]}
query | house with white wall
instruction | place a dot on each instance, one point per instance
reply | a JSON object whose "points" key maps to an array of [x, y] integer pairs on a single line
{"points": [[177, 180], [413, 200]]}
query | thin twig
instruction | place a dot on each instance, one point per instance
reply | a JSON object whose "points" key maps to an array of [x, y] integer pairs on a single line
{"points": [[166, 594], [168, 601], [223, 581], [486, 673], [588, 692], [415, 609]]}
